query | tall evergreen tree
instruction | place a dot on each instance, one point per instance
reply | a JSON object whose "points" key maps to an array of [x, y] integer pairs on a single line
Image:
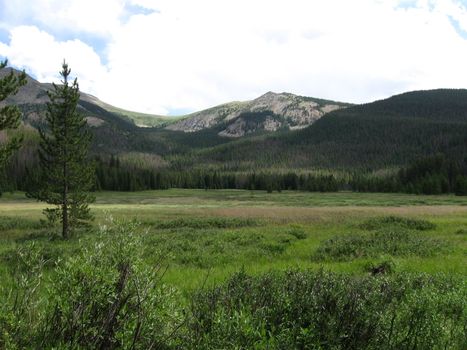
{"points": [[9, 115], [67, 174]]}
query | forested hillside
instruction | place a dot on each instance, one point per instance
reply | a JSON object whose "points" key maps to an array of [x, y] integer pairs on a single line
{"points": [[360, 147], [387, 133]]}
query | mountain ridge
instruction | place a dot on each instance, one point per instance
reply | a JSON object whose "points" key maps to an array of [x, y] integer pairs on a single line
{"points": [[378, 135], [286, 111], [278, 111], [255, 135]]}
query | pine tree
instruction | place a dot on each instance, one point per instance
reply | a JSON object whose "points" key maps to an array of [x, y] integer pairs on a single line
{"points": [[67, 175], [9, 115]]}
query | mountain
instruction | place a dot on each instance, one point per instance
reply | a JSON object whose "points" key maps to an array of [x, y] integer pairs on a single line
{"points": [[269, 112], [383, 134], [33, 96], [118, 131], [275, 131]]}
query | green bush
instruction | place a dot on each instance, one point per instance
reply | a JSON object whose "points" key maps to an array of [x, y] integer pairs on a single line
{"points": [[105, 294], [207, 223], [297, 231], [396, 221], [21, 302], [104, 297], [374, 244], [319, 310], [382, 267]]}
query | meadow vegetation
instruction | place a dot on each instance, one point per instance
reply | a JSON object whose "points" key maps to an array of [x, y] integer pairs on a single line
{"points": [[237, 269]]}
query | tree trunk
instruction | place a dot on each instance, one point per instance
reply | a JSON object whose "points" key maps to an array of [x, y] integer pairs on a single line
{"points": [[65, 221], [65, 228]]}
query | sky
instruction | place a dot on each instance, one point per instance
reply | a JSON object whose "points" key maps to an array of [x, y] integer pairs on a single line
{"points": [[172, 57]]}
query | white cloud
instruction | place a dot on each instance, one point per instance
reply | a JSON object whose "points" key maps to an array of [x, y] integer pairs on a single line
{"points": [[195, 54], [41, 55], [99, 17]]}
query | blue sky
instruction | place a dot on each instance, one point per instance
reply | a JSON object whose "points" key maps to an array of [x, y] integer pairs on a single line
{"points": [[176, 56]]}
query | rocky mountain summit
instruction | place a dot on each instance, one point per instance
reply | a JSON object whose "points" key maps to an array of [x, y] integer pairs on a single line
{"points": [[269, 112]]}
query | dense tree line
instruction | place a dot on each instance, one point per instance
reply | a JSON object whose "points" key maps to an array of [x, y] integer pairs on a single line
{"points": [[432, 175], [112, 174]]}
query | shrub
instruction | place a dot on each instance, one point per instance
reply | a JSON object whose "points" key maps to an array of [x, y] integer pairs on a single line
{"points": [[383, 267], [20, 301], [207, 223], [103, 297], [396, 221], [106, 297], [319, 310], [392, 242], [297, 231]]}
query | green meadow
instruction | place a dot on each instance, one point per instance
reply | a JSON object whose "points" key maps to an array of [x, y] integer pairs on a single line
{"points": [[205, 236], [224, 269]]}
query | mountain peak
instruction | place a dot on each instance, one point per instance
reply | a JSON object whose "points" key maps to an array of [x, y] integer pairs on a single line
{"points": [[269, 112], [275, 95], [269, 93]]}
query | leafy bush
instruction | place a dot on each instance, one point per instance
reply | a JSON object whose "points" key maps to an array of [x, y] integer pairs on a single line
{"points": [[206, 223], [215, 247], [297, 231], [392, 242], [21, 302], [104, 297], [396, 221], [383, 267], [319, 310]]}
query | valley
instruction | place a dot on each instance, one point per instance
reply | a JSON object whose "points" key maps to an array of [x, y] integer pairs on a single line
{"points": [[233, 175], [363, 147], [265, 214]]}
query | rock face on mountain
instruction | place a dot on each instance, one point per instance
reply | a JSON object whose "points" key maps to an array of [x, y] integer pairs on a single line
{"points": [[269, 112]]}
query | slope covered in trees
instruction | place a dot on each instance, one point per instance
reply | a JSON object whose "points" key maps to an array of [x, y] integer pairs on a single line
{"points": [[361, 147], [387, 133]]}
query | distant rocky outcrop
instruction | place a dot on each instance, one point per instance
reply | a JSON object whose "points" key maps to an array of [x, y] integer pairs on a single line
{"points": [[269, 112]]}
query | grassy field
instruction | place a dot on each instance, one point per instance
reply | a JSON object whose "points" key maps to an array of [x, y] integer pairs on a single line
{"points": [[205, 236], [195, 269]]}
